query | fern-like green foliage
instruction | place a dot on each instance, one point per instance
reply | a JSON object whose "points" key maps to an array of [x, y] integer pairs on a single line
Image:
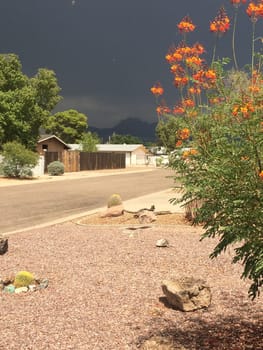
{"points": [[23, 279], [115, 199]]}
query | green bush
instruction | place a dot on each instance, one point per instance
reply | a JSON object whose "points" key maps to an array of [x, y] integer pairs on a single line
{"points": [[18, 161], [55, 168]]}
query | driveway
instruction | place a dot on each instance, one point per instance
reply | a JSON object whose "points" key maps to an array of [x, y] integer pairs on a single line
{"points": [[38, 203]]}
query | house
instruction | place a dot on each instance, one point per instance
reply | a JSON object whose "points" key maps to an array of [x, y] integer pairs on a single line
{"points": [[134, 154], [51, 143]]}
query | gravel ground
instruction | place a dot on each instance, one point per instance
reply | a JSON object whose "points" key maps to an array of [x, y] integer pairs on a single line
{"points": [[105, 291]]}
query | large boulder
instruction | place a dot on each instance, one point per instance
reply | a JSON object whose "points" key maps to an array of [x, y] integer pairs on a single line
{"points": [[114, 211], [3, 245], [187, 293]]}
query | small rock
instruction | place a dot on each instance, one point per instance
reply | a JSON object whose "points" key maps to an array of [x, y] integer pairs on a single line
{"points": [[32, 287], [3, 245], [146, 217], [10, 288], [43, 284], [21, 290], [162, 243]]}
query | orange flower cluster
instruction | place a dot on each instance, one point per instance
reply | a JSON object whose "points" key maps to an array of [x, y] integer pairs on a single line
{"points": [[261, 175], [184, 134], [186, 25], [190, 152], [244, 109], [157, 89], [182, 52], [178, 109], [236, 3], [188, 102], [161, 110], [205, 78], [255, 10], [221, 23]]}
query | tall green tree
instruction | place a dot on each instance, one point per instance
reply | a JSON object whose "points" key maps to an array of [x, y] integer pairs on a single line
{"points": [[69, 125], [89, 142], [25, 103]]}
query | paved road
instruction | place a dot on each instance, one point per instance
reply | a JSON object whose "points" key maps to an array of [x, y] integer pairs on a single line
{"points": [[34, 204]]}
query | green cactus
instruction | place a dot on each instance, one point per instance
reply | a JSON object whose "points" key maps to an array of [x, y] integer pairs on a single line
{"points": [[23, 279], [115, 199]]}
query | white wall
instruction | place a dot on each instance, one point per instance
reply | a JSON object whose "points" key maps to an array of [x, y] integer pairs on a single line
{"points": [[38, 170]]}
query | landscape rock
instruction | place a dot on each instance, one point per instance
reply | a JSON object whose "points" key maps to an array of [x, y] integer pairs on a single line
{"points": [[3, 245], [43, 284], [32, 287], [146, 217], [21, 290], [162, 243], [114, 211], [187, 293], [10, 288]]}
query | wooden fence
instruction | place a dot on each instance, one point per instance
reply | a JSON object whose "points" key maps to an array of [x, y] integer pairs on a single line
{"points": [[75, 161], [101, 160]]}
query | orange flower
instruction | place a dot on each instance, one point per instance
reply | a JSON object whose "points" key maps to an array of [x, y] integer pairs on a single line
{"points": [[244, 110], [178, 143], [188, 102], [157, 89], [198, 49], [186, 25], [184, 133], [194, 90], [221, 23], [180, 81], [193, 61], [255, 10], [190, 152], [176, 68], [261, 175], [178, 110], [236, 3]]}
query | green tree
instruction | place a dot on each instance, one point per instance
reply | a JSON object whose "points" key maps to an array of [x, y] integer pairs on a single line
{"points": [[89, 142], [18, 161], [25, 103], [121, 139], [68, 125]]}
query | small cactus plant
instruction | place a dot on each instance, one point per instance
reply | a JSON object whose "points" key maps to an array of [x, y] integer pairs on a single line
{"points": [[23, 279], [115, 199]]}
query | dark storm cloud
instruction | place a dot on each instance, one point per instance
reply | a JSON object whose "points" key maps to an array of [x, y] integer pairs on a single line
{"points": [[107, 53]]}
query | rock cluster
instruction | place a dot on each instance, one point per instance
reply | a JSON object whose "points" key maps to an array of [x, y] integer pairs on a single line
{"points": [[7, 286]]}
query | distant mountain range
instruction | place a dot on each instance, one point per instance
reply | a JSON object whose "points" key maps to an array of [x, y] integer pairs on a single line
{"points": [[130, 126]]}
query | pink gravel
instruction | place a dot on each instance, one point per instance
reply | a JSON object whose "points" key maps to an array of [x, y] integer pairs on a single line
{"points": [[105, 291]]}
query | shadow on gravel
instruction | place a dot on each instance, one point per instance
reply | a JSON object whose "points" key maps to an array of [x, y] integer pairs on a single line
{"points": [[227, 333]]}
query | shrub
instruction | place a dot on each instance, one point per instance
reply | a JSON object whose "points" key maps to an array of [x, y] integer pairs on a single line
{"points": [[220, 136], [18, 161], [23, 279], [55, 168], [115, 199]]}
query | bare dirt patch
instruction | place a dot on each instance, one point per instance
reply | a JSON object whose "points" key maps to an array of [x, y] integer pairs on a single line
{"points": [[131, 219]]}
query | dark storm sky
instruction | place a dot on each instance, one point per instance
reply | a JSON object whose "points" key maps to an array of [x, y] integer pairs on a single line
{"points": [[108, 53]]}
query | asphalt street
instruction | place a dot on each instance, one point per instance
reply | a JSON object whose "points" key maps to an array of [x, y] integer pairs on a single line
{"points": [[38, 203]]}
